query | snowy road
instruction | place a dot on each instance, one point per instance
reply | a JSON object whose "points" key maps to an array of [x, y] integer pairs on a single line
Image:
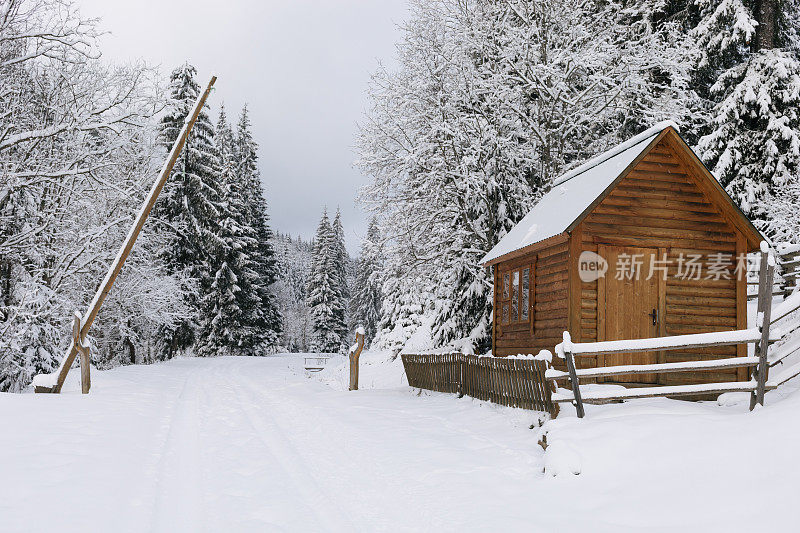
{"points": [[252, 445], [238, 444]]}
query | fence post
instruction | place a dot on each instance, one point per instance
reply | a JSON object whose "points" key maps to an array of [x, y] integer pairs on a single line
{"points": [[573, 376], [763, 316], [460, 375], [354, 355]]}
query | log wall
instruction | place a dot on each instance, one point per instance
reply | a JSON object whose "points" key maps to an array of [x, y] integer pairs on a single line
{"points": [[660, 204], [549, 302]]}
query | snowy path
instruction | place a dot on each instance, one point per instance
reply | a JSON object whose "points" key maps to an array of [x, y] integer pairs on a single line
{"points": [[254, 445], [247, 445]]}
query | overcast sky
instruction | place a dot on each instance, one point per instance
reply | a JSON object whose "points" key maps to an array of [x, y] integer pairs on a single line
{"points": [[301, 65]]}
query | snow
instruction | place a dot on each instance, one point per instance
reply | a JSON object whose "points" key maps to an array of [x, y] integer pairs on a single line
{"points": [[258, 444], [46, 380], [677, 341], [572, 193]]}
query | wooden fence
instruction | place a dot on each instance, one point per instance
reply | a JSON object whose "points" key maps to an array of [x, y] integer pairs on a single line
{"points": [[505, 381]]}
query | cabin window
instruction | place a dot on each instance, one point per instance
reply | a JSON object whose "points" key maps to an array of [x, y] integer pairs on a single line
{"points": [[526, 296], [515, 296]]}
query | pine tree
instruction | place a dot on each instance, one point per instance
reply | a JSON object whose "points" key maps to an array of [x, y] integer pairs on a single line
{"points": [[190, 202], [341, 261], [367, 298], [752, 142], [255, 209], [233, 321], [324, 299]]}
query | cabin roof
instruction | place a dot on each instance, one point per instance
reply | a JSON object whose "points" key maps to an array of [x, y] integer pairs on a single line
{"points": [[575, 192]]}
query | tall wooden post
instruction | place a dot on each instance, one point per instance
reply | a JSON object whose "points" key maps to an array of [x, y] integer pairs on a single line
{"points": [[354, 355], [83, 348], [763, 316], [127, 245]]}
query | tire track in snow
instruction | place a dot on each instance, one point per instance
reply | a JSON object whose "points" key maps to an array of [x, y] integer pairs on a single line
{"points": [[274, 439], [177, 504]]}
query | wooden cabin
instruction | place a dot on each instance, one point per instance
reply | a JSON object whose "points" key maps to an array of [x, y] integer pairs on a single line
{"points": [[647, 204]]}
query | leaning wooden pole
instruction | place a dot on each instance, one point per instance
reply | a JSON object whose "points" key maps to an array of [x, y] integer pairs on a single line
{"points": [[44, 383]]}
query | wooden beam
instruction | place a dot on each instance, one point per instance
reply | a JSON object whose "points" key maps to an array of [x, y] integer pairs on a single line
{"points": [[675, 342], [654, 392], [127, 246], [763, 343], [718, 364]]}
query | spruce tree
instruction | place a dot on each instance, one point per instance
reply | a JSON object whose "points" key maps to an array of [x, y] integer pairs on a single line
{"points": [[255, 209], [367, 296], [752, 142], [324, 299], [233, 322], [189, 203], [341, 261]]}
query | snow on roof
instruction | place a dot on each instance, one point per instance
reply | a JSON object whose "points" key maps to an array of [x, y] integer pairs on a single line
{"points": [[572, 193]]}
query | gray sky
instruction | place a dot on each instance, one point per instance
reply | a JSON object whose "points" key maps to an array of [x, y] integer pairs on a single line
{"points": [[301, 65]]}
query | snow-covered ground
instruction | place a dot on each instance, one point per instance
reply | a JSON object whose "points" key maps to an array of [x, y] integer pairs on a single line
{"points": [[255, 444]]}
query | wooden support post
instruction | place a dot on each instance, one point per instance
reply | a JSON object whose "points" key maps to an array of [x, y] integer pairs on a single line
{"points": [[573, 376], [83, 348], [354, 355], [127, 245], [763, 316]]}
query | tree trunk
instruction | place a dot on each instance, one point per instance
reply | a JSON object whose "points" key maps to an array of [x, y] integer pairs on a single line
{"points": [[766, 14]]}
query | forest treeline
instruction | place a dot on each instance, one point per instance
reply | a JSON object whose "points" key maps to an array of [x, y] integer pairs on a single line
{"points": [[491, 101]]}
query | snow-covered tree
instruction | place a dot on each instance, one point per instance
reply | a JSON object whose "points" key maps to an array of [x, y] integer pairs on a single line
{"points": [[77, 155], [245, 151], [190, 203], [752, 143], [367, 297], [341, 267], [231, 308], [491, 101], [324, 299], [294, 267]]}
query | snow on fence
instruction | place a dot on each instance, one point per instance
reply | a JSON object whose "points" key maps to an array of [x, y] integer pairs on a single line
{"points": [[515, 382], [787, 272]]}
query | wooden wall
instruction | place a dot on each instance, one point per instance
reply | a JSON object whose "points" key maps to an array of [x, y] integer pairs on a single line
{"points": [[661, 205], [549, 302]]}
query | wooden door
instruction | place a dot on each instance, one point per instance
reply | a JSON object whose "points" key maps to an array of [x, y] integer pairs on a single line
{"points": [[630, 306]]}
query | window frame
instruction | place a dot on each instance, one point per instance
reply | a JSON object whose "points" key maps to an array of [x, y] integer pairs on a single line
{"points": [[506, 296]]}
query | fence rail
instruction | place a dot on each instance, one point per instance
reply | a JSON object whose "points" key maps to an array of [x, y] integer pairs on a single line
{"points": [[507, 381]]}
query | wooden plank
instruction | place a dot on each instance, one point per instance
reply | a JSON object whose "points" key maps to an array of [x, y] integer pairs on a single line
{"points": [[677, 342], [574, 310], [659, 391], [546, 243], [763, 344], [576, 387], [661, 368]]}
